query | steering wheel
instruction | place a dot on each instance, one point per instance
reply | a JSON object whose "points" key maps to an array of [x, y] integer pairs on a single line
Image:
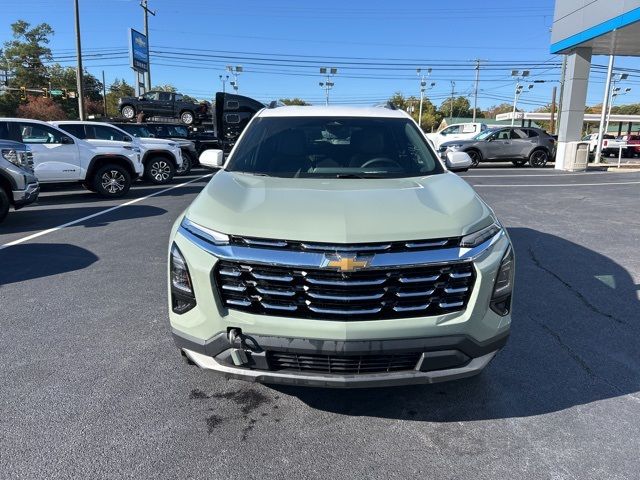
{"points": [[381, 162]]}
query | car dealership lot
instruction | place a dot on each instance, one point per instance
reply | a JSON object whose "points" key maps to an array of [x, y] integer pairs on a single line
{"points": [[92, 385]]}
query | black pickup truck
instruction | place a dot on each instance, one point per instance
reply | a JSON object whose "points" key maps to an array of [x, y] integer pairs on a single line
{"points": [[163, 104]]}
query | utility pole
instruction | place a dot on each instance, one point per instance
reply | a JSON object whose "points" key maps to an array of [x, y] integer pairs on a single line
{"points": [[423, 85], [605, 103], [552, 125], [327, 84], [475, 90], [143, 4], [453, 88], [104, 95], [79, 79]]}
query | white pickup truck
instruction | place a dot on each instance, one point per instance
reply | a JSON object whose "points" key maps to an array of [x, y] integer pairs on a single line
{"points": [[60, 157], [610, 145], [161, 158], [457, 131]]}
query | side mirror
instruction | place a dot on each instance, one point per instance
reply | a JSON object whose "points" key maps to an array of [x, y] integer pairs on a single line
{"points": [[127, 138], [66, 140], [458, 161], [444, 134], [212, 158], [141, 97]]}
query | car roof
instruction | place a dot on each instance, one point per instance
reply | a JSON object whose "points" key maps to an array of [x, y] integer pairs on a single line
{"points": [[332, 111]]}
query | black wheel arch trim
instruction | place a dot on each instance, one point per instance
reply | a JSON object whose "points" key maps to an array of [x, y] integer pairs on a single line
{"points": [[97, 161], [150, 154], [12, 183]]}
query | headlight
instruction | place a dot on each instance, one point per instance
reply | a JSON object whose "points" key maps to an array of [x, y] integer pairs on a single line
{"points": [[205, 233], [172, 145], [12, 156], [183, 298], [501, 297], [135, 149], [476, 238], [454, 147]]}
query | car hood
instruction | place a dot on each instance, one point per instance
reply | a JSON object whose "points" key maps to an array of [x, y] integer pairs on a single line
{"points": [[339, 210]]}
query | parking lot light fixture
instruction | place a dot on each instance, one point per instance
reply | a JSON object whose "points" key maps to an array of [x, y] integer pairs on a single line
{"points": [[327, 85], [423, 88]]}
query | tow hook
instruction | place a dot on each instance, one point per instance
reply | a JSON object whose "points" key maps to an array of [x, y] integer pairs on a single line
{"points": [[238, 355]]}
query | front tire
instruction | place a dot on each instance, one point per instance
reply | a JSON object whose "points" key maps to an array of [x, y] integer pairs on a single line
{"points": [[112, 181], [475, 156], [128, 112], [538, 158], [159, 171], [4, 204], [187, 117], [185, 168]]}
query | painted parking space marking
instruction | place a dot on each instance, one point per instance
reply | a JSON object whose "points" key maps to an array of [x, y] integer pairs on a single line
{"points": [[558, 184], [97, 214]]}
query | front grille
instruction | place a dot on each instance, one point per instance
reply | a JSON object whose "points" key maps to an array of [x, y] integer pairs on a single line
{"points": [[343, 365], [405, 246], [360, 295]]}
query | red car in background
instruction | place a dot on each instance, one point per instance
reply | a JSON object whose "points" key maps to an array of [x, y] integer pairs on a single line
{"points": [[633, 144]]}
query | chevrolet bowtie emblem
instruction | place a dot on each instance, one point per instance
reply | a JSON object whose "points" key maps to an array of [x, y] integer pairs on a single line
{"points": [[346, 264]]}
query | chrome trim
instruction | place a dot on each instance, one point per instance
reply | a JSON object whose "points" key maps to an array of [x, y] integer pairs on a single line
{"points": [[234, 288], [317, 281], [265, 243], [330, 311], [230, 273], [450, 305], [288, 308], [415, 294], [460, 275], [432, 278], [275, 278], [414, 308], [425, 244], [242, 303], [268, 291], [331, 247], [456, 289], [315, 260], [345, 298]]}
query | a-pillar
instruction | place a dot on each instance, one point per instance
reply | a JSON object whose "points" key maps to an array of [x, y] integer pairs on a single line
{"points": [[574, 99]]}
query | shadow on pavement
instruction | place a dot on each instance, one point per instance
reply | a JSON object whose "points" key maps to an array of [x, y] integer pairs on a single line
{"points": [[37, 260], [33, 220], [574, 341]]}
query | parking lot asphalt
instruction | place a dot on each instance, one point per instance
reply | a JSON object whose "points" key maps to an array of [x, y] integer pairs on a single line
{"points": [[91, 385]]}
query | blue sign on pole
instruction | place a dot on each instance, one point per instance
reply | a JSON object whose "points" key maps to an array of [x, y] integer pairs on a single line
{"points": [[139, 51]]}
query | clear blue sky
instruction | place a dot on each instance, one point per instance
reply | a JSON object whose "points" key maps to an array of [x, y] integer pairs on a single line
{"points": [[283, 42]]}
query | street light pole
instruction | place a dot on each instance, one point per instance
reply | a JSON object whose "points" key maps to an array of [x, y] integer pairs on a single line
{"points": [[475, 90], [79, 79], [519, 75], [327, 84], [423, 84]]}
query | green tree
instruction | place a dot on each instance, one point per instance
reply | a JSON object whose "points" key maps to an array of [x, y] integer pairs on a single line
{"points": [[461, 107], [430, 115], [119, 88], [27, 53], [65, 78], [491, 112], [167, 87], [293, 101]]}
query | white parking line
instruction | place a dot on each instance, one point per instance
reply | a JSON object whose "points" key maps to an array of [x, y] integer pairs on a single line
{"points": [[560, 184], [97, 214]]}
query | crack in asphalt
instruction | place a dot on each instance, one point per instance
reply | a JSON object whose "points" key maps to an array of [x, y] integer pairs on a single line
{"points": [[573, 290]]}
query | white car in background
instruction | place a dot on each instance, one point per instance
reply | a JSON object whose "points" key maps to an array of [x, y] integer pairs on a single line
{"points": [[457, 131], [60, 157], [161, 158]]}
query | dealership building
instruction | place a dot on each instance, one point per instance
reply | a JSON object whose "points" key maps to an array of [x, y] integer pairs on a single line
{"points": [[582, 29]]}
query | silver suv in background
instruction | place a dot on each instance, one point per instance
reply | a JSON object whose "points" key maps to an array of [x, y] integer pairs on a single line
{"points": [[18, 185], [518, 145]]}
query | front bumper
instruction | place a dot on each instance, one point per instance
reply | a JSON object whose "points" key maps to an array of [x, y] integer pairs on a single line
{"points": [[24, 197], [440, 358]]}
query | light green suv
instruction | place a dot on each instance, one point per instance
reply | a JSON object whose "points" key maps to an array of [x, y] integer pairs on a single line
{"points": [[334, 249]]}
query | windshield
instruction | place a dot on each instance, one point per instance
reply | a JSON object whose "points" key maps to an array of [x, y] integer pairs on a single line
{"points": [[484, 135], [334, 147], [172, 131], [136, 130]]}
